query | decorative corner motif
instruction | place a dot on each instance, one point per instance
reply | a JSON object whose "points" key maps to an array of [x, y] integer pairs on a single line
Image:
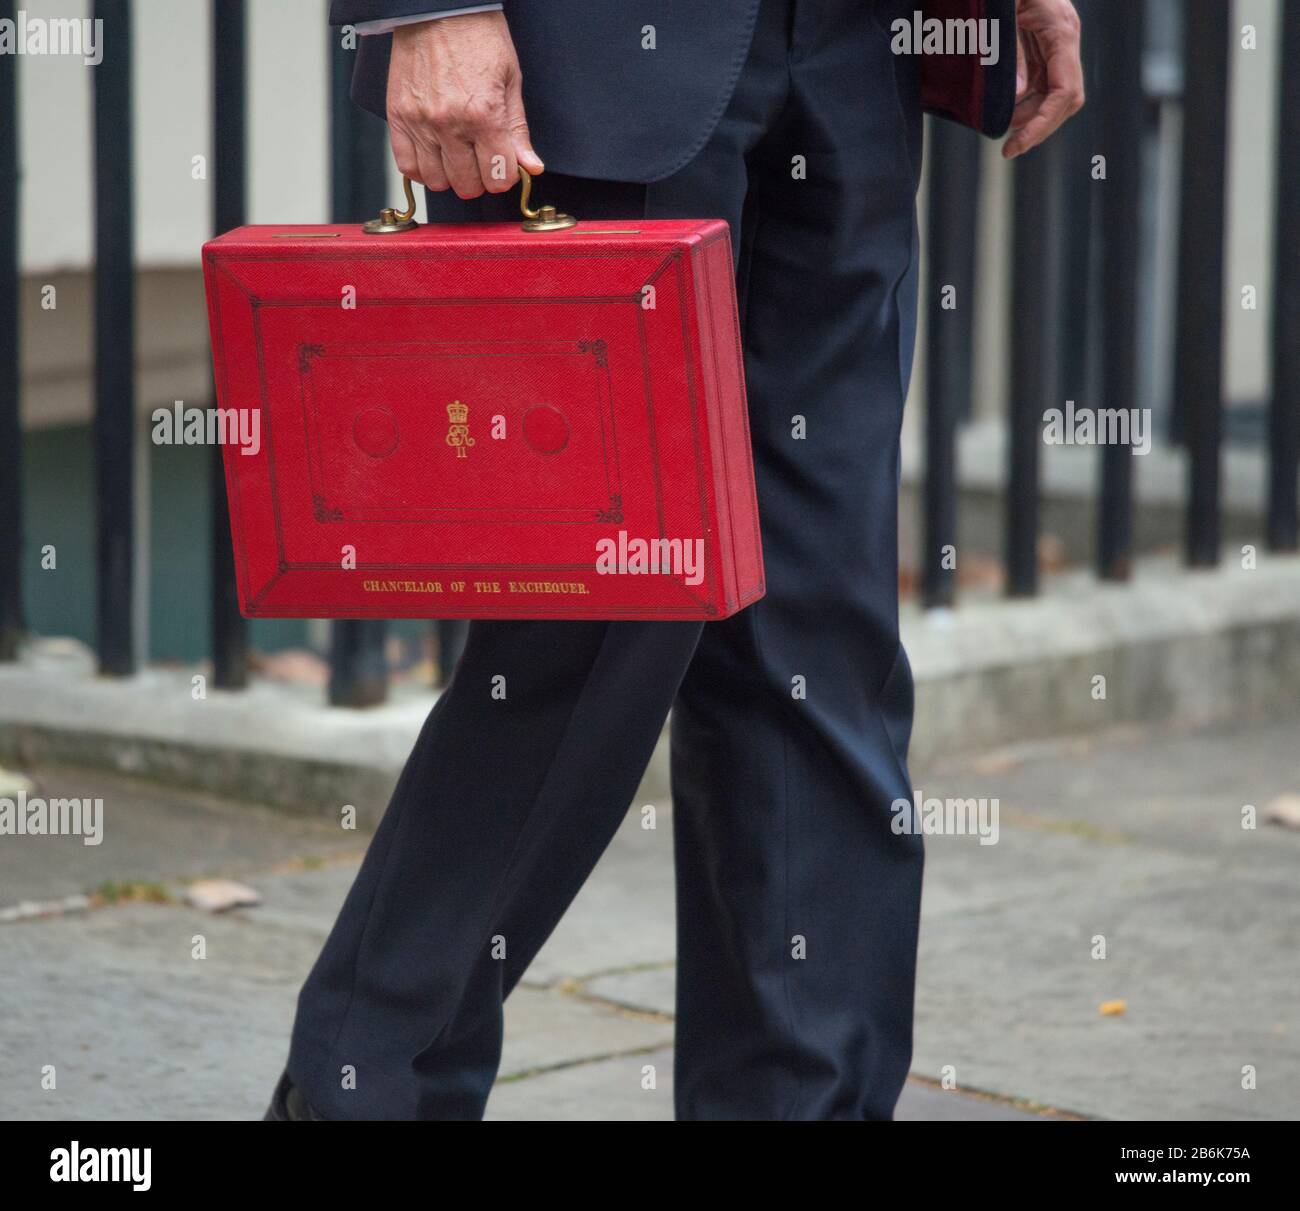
{"points": [[306, 353], [597, 349], [615, 511], [323, 511]]}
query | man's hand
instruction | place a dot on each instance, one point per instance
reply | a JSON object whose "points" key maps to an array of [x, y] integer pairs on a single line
{"points": [[1049, 72], [455, 106]]}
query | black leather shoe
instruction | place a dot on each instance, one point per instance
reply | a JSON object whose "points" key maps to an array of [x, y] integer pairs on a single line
{"points": [[288, 1104]]}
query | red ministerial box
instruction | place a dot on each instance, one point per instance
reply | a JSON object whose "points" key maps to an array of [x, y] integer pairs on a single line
{"points": [[474, 421]]}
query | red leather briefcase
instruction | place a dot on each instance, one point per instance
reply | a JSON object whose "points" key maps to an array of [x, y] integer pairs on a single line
{"points": [[484, 420]]}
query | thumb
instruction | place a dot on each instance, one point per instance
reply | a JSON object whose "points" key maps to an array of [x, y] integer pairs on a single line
{"points": [[517, 123]]}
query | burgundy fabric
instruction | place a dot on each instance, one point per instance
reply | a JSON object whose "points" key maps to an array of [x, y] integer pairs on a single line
{"points": [[954, 84], [960, 87]]}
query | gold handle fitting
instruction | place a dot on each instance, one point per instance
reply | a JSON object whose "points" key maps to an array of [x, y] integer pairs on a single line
{"points": [[544, 218], [391, 220]]}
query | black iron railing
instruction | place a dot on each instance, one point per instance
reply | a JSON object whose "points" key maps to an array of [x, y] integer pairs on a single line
{"points": [[11, 466], [229, 631], [1198, 359], [952, 228], [1284, 410], [1074, 265], [114, 428], [1120, 113]]}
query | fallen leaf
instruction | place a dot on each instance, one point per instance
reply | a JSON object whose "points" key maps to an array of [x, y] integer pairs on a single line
{"points": [[12, 783], [219, 895], [1284, 810]]}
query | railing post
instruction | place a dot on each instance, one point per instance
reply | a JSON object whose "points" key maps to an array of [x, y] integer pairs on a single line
{"points": [[1198, 364], [1033, 356], [452, 634], [1284, 413], [358, 660], [358, 146], [1121, 109], [229, 630], [952, 214], [358, 663], [11, 432], [114, 424], [1076, 302]]}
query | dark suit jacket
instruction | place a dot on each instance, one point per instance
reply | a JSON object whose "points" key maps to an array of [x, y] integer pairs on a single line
{"points": [[599, 106]]}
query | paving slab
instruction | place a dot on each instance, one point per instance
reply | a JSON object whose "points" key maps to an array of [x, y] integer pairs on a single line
{"points": [[1011, 1000], [922, 1103], [546, 1029], [614, 1090], [1031, 867], [650, 989], [154, 834], [305, 899], [134, 1026], [640, 1089], [624, 916], [1136, 840], [1180, 790]]}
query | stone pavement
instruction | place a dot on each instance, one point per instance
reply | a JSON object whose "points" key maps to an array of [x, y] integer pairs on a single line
{"points": [[1133, 837]]}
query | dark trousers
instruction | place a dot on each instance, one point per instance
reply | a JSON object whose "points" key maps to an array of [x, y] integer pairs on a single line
{"points": [[797, 904]]}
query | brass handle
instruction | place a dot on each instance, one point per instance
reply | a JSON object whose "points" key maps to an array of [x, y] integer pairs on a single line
{"points": [[391, 220], [544, 218]]}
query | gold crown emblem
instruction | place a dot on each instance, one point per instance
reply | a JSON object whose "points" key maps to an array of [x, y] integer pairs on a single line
{"points": [[458, 413]]}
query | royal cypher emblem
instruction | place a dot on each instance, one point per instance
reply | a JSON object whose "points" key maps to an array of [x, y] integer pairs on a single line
{"points": [[458, 433]]}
